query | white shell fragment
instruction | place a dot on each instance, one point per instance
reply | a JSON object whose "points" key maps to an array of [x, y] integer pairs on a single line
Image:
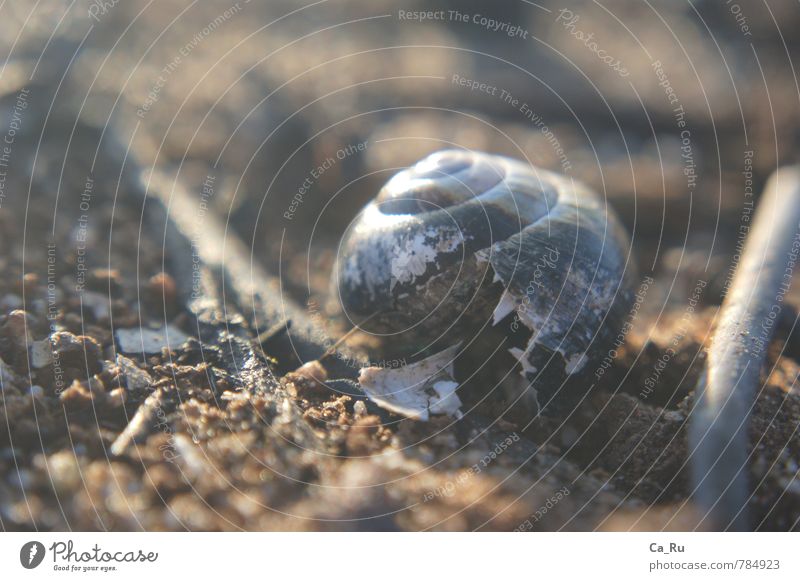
{"points": [[522, 357], [505, 307], [141, 340], [135, 379], [411, 258], [575, 363], [418, 390], [41, 353]]}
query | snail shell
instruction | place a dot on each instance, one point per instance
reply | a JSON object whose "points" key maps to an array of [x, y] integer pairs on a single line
{"points": [[463, 241]]}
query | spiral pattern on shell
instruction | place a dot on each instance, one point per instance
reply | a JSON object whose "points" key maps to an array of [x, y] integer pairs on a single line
{"points": [[464, 240]]}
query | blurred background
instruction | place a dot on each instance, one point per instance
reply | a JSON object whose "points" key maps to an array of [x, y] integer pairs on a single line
{"points": [[260, 94]]}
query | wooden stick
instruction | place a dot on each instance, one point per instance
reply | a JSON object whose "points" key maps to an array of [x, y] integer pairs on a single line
{"points": [[727, 392]]}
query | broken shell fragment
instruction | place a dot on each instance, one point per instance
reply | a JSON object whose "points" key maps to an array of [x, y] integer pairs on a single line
{"points": [[466, 241], [417, 390]]}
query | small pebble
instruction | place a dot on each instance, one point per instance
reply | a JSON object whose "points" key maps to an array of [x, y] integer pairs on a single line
{"points": [[10, 302], [360, 408], [163, 289], [149, 341], [105, 280], [313, 370], [97, 303], [135, 379], [41, 353], [117, 397]]}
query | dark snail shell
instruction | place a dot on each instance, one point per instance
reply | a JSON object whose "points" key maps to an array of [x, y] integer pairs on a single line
{"points": [[465, 240]]}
